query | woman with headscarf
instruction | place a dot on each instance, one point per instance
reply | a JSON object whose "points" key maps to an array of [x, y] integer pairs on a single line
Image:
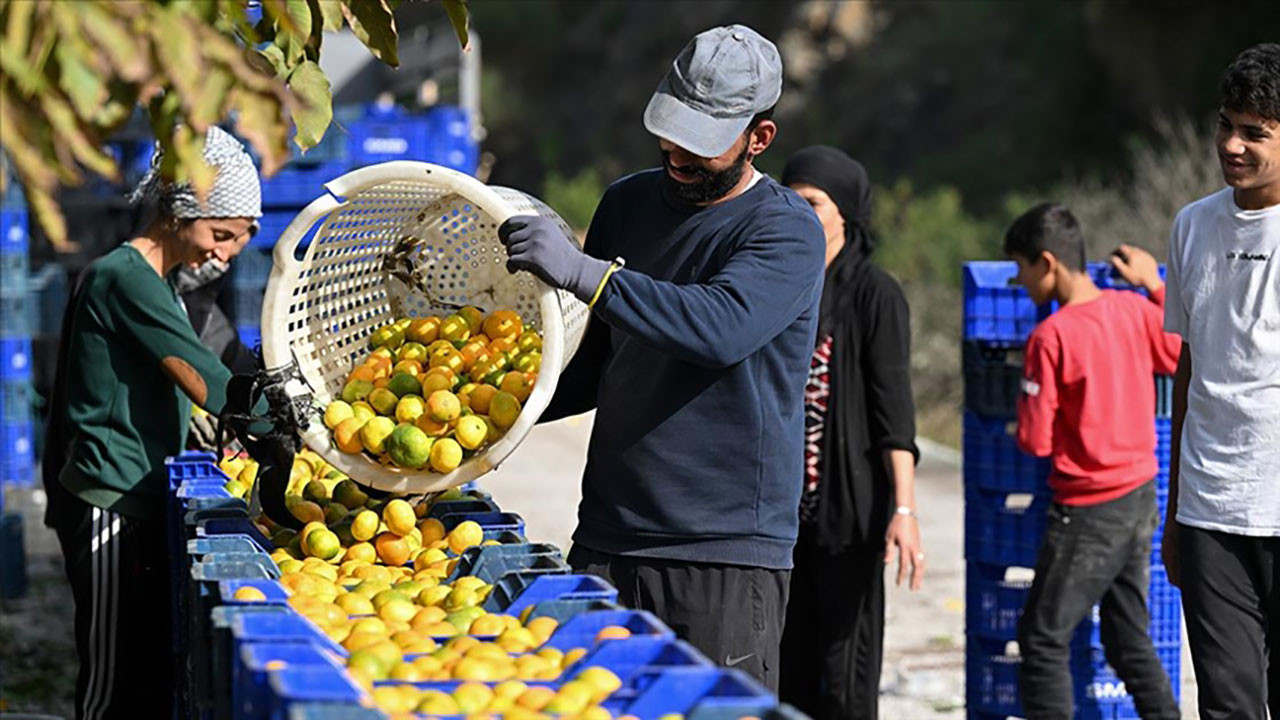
{"points": [[858, 504], [129, 368]]}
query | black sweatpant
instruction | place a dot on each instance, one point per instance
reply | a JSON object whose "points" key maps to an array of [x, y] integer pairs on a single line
{"points": [[1232, 605], [833, 642], [1090, 554], [117, 567], [732, 613]]}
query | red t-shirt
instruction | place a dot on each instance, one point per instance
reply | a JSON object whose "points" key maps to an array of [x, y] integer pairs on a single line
{"points": [[1088, 394]]}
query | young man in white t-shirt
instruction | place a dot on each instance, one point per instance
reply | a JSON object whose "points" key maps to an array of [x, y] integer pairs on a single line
{"points": [[1223, 298]]}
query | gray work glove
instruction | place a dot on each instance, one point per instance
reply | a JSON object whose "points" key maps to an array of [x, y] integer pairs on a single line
{"points": [[537, 244]]}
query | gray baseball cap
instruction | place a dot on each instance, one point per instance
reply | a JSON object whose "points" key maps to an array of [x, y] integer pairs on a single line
{"points": [[718, 82]]}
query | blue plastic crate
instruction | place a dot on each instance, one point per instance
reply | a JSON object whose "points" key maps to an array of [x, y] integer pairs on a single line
{"points": [[297, 184], [491, 562], [333, 711], [581, 630], [192, 465], [250, 273], [14, 250], [637, 662], [1004, 528], [993, 461], [994, 598], [375, 140], [996, 308], [199, 547], [468, 505], [250, 691], [287, 626], [17, 454], [12, 199], [250, 335], [1096, 680], [488, 521], [273, 223], [13, 316], [1106, 277], [515, 592], [991, 676], [15, 358], [15, 401], [992, 379], [308, 684], [703, 691], [275, 593], [47, 292]]}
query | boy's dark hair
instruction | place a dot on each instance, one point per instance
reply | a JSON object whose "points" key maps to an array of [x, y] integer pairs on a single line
{"points": [[1252, 82], [1051, 228]]}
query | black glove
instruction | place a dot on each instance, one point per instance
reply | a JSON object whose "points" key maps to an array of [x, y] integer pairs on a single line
{"points": [[260, 414]]}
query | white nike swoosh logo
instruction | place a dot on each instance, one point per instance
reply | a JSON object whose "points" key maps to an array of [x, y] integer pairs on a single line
{"points": [[731, 661]]}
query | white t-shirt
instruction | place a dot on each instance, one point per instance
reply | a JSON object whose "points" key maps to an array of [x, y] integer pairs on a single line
{"points": [[1223, 298]]}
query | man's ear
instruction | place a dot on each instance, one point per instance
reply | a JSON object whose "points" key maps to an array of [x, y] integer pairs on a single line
{"points": [[760, 137]]}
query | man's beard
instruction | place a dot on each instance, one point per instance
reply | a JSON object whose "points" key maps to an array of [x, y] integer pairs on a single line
{"points": [[710, 186]]}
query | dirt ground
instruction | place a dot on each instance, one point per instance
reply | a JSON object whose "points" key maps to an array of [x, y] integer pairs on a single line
{"points": [[924, 644]]}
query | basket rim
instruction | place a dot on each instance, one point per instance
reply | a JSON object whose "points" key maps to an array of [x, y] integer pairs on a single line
{"points": [[277, 351]]}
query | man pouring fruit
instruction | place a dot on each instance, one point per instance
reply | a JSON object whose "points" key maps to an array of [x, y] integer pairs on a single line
{"points": [[703, 278]]}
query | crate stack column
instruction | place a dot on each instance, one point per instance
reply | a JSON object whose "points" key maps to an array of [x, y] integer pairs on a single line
{"points": [[17, 461], [1006, 498]]}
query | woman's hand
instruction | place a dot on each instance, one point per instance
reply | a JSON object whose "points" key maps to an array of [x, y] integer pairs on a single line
{"points": [[904, 537]]}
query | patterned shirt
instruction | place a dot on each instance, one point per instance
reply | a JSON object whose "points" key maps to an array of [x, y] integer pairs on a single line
{"points": [[816, 394]]}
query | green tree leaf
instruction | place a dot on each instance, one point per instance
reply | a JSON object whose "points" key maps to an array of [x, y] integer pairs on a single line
{"points": [[373, 23], [313, 114], [457, 12], [331, 11]]}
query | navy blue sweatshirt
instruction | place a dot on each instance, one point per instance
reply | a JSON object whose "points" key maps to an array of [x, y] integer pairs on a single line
{"points": [[696, 359]]}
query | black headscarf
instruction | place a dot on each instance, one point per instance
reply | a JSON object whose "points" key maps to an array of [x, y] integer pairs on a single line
{"points": [[870, 407], [846, 182]]}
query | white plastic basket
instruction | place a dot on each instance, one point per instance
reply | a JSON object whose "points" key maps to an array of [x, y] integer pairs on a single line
{"points": [[360, 272]]}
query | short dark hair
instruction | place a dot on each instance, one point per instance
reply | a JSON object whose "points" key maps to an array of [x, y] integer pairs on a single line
{"points": [[1252, 82], [1051, 228], [759, 117]]}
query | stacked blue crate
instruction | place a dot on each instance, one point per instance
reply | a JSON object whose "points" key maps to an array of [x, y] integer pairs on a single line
{"points": [[255, 659], [250, 272], [17, 462], [1006, 496]]}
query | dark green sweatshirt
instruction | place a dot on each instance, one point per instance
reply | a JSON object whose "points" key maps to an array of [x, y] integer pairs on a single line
{"points": [[124, 411]]}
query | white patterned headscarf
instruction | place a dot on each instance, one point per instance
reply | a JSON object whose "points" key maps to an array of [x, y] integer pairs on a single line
{"points": [[236, 190]]}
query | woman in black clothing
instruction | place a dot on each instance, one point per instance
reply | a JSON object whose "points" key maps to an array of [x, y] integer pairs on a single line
{"points": [[858, 505]]}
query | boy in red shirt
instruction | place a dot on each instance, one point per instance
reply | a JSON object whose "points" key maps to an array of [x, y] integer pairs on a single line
{"points": [[1088, 400]]}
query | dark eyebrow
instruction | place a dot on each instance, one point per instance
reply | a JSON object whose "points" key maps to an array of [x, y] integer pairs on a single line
{"points": [[1252, 127]]}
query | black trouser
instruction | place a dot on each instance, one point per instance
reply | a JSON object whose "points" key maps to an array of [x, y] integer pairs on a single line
{"points": [[833, 642], [732, 613], [120, 583], [1232, 605], [1090, 554]]}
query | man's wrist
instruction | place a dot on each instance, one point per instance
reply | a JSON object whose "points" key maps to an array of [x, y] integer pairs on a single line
{"points": [[590, 274]]}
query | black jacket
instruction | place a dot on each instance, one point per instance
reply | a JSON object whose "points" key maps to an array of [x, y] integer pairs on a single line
{"points": [[870, 408]]}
